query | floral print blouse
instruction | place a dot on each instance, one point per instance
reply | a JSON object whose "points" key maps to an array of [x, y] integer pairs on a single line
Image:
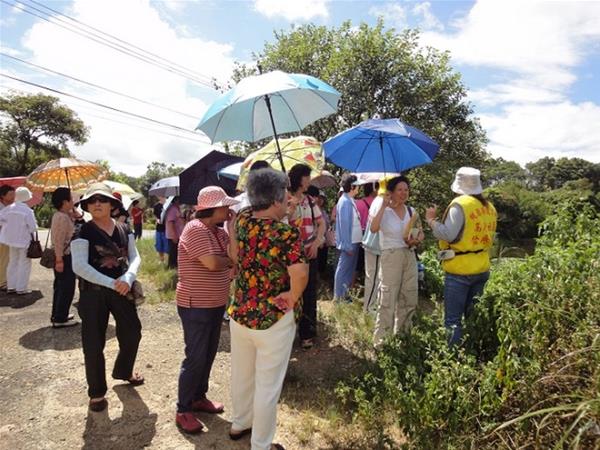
{"points": [[266, 248]]}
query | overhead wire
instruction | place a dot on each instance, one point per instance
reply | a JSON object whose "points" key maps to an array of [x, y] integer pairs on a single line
{"points": [[112, 108], [103, 41], [46, 69]]}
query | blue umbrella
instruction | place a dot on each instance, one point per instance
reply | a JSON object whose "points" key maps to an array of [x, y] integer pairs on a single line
{"points": [[264, 105], [380, 145]]}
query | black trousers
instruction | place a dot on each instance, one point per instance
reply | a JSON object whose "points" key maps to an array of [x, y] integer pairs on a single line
{"points": [[137, 230], [64, 290], [308, 321], [95, 304], [201, 334], [322, 260], [172, 254]]}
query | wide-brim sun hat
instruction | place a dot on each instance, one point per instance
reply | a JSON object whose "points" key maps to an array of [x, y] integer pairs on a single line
{"points": [[467, 181], [214, 197], [22, 194], [98, 189]]}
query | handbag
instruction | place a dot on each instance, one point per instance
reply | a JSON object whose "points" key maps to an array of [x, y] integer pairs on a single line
{"points": [[34, 251], [370, 241], [48, 259]]}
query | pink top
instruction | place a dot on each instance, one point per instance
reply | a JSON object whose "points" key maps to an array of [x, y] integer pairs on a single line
{"points": [[363, 205], [177, 225]]}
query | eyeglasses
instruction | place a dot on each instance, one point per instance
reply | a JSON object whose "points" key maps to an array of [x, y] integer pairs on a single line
{"points": [[98, 198]]}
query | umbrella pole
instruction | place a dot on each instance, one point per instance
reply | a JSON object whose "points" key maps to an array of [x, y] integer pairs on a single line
{"points": [[382, 155], [68, 181], [279, 155]]}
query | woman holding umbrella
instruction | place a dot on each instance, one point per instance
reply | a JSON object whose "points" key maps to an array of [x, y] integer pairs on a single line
{"points": [[107, 260]]}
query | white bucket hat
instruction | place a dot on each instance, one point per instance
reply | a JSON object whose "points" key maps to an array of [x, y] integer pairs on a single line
{"points": [[22, 194], [467, 181]]}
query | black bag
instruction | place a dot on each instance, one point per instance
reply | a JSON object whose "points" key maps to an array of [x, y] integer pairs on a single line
{"points": [[34, 251], [48, 259], [136, 292]]}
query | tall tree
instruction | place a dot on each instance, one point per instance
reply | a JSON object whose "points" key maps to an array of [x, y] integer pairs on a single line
{"points": [[549, 173], [34, 129], [499, 170], [381, 72]]}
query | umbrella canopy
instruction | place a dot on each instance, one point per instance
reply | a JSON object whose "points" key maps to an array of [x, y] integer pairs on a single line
{"points": [[165, 187], [232, 172], [121, 188], [204, 172], [65, 172], [20, 181], [380, 145], [298, 150], [373, 177], [265, 105], [324, 180]]}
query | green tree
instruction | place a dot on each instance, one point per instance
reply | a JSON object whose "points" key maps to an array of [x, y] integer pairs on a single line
{"points": [[381, 72], [549, 173], [35, 128], [499, 170], [155, 171]]}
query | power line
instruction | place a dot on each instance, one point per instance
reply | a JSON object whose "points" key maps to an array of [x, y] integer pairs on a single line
{"points": [[139, 116], [105, 42], [119, 39], [97, 86]]}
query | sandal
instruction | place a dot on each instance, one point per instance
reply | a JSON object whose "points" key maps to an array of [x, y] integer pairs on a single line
{"points": [[136, 379], [99, 405], [306, 344], [277, 447], [237, 435]]}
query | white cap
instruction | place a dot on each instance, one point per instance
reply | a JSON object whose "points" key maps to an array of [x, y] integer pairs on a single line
{"points": [[467, 181], [22, 194]]}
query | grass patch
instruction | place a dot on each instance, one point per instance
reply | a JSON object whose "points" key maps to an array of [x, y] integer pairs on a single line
{"points": [[159, 281]]}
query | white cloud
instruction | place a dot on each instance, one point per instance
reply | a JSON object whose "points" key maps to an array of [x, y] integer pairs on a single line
{"points": [[392, 13], [428, 20], [535, 49], [528, 132], [128, 148], [292, 9]]}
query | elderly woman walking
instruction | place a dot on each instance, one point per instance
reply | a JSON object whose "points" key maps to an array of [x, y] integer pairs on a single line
{"points": [[272, 274], [204, 269], [17, 223], [61, 233], [397, 275], [105, 257]]}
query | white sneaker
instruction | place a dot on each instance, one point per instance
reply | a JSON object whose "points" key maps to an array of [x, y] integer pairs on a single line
{"points": [[68, 323], [28, 291]]}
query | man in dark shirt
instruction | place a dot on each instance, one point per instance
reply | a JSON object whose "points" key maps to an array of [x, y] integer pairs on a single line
{"points": [[160, 239]]}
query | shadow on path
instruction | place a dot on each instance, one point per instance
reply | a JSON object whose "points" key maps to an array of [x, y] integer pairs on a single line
{"points": [[20, 301], [60, 339]]}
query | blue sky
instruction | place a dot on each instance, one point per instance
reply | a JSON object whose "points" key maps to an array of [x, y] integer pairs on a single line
{"points": [[532, 68]]}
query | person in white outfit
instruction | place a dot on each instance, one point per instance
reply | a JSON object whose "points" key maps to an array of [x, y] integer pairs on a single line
{"points": [[272, 275], [17, 223]]}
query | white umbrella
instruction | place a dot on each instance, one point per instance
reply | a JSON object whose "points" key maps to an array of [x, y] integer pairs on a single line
{"points": [[373, 177], [232, 171], [165, 187]]}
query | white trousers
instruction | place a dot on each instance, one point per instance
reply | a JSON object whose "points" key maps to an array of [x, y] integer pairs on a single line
{"points": [[3, 264], [259, 360], [18, 270]]}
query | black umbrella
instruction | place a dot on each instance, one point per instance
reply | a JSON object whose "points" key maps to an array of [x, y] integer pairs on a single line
{"points": [[204, 172]]}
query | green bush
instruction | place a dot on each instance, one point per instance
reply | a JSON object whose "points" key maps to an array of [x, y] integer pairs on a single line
{"points": [[528, 374]]}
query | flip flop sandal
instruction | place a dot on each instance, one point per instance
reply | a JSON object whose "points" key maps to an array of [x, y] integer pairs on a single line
{"points": [[136, 379]]}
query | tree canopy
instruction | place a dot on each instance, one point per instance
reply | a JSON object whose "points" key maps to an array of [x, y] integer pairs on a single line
{"points": [[379, 71], [35, 128]]}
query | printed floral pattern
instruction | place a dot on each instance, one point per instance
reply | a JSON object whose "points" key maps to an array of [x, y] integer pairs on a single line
{"points": [[266, 249]]}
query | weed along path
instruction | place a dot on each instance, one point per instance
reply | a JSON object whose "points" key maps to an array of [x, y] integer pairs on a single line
{"points": [[43, 390]]}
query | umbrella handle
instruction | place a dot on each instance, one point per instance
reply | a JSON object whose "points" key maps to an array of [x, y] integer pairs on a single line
{"points": [[279, 155], [68, 181]]}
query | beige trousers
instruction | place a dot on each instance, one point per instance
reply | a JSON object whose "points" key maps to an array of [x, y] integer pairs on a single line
{"points": [[372, 263], [398, 293], [3, 264]]}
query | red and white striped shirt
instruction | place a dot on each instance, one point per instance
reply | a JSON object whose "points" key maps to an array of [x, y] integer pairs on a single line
{"points": [[197, 286]]}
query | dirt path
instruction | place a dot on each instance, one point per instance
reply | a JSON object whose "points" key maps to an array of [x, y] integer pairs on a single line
{"points": [[43, 392]]}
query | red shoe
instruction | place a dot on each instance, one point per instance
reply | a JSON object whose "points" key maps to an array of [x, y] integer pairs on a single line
{"points": [[188, 422], [208, 406]]}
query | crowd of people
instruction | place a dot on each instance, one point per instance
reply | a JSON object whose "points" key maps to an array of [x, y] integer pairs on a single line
{"points": [[256, 260]]}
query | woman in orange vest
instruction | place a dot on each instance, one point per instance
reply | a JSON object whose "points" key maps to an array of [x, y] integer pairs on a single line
{"points": [[466, 233]]}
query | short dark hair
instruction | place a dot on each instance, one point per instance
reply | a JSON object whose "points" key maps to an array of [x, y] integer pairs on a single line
{"points": [[59, 196], [135, 202], [348, 181], [391, 184], [313, 191], [259, 165], [5, 189], [296, 174], [368, 189], [205, 213]]}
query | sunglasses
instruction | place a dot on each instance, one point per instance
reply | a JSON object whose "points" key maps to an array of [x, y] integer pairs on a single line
{"points": [[98, 198]]}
